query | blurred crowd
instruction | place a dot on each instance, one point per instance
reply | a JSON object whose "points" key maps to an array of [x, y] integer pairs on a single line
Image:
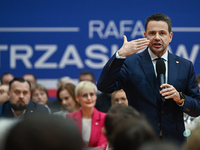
{"points": [[80, 118]]}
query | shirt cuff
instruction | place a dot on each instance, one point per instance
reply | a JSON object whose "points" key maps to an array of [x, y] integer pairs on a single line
{"points": [[119, 57], [181, 105]]}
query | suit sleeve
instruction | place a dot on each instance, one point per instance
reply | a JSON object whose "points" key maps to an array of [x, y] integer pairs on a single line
{"points": [[110, 75], [192, 100]]}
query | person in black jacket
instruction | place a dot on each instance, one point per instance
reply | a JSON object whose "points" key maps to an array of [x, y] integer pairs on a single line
{"points": [[19, 105]]}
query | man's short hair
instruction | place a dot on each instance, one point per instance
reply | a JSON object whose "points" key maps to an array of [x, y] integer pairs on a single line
{"points": [[159, 17], [86, 72], [19, 79]]}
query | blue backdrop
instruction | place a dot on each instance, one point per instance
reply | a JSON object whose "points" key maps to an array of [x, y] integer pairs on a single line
{"points": [[54, 38]]}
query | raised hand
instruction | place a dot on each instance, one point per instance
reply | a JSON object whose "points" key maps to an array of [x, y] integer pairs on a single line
{"points": [[129, 48]]}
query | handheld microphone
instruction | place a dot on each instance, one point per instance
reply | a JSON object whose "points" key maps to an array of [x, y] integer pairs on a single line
{"points": [[161, 69]]}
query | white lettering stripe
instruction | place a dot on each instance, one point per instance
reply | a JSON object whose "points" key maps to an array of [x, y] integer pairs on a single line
{"points": [[40, 29], [186, 29], [77, 29]]}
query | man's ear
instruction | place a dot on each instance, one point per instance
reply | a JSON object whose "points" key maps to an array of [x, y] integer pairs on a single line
{"points": [[145, 34], [170, 35]]}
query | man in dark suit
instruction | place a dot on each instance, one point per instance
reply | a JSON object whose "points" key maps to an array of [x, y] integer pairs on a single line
{"points": [[136, 74], [19, 104]]}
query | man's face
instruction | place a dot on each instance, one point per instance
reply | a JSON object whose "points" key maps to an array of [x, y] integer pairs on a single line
{"points": [[120, 98], [199, 86], [7, 78], [40, 97], [19, 95], [4, 93], [31, 79], [86, 77], [159, 36]]}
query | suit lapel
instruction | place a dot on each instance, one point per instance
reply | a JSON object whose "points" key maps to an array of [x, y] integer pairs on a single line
{"points": [[29, 110], [173, 68], [77, 118], [95, 126], [148, 69]]}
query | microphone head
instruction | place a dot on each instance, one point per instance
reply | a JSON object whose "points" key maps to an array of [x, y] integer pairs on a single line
{"points": [[160, 67]]}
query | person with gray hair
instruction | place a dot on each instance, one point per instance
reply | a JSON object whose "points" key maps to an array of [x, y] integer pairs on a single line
{"points": [[63, 80], [88, 119]]}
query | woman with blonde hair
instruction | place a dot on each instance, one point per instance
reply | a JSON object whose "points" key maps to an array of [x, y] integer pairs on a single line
{"points": [[88, 119]]}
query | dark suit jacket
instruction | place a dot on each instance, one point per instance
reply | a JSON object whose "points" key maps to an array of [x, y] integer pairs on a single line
{"points": [[136, 76], [97, 139], [55, 104], [103, 102], [32, 109]]}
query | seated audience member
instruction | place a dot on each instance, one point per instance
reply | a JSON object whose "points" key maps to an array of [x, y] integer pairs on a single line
{"points": [[66, 96], [19, 104], [55, 104], [88, 119], [87, 76], [119, 97], [39, 95], [191, 122], [6, 78], [132, 133], [63, 80], [193, 140], [115, 116], [103, 102], [198, 80], [44, 132], [31, 78], [4, 93]]}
